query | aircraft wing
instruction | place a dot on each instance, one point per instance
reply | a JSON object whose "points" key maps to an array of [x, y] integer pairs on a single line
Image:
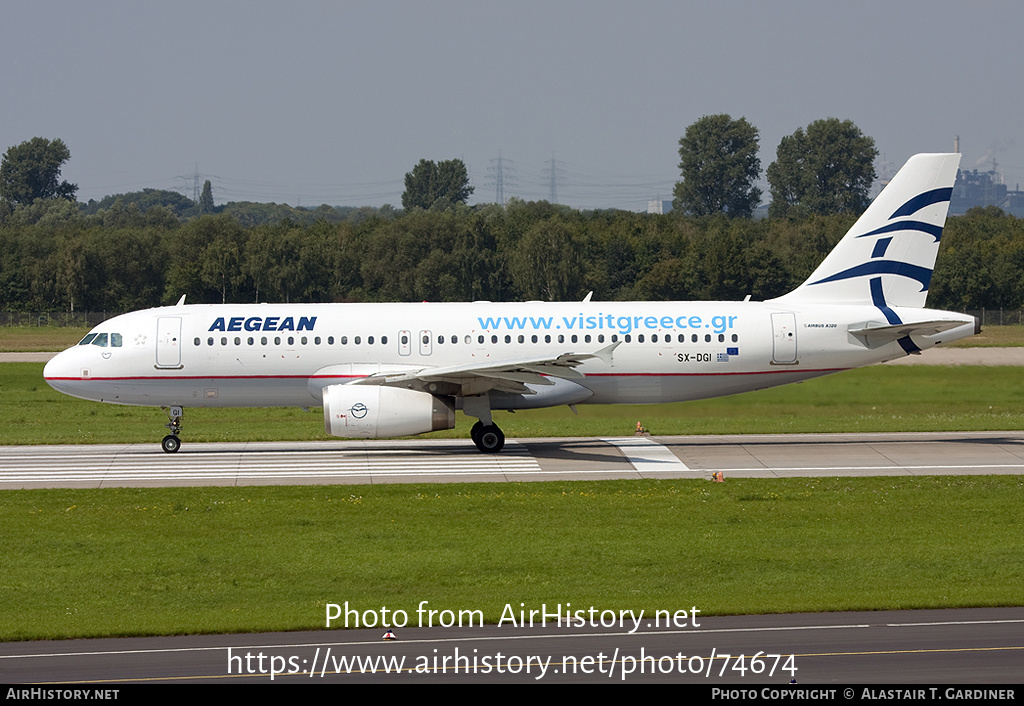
{"points": [[504, 376], [877, 335]]}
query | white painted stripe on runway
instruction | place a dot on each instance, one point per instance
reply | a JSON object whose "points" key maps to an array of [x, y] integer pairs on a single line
{"points": [[648, 456], [115, 466], [897, 469]]}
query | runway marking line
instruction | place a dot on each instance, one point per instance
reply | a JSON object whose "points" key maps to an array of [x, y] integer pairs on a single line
{"points": [[771, 628], [648, 456]]}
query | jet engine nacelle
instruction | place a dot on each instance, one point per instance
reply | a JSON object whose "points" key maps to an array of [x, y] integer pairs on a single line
{"points": [[375, 411]]}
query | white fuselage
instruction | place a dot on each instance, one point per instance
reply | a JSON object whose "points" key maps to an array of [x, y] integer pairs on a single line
{"points": [[265, 355]]}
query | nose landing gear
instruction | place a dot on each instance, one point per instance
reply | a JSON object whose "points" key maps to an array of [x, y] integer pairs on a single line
{"points": [[171, 442]]}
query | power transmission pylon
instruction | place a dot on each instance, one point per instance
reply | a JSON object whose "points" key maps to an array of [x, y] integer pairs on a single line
{"points": [[502, 174], [553, 172]]}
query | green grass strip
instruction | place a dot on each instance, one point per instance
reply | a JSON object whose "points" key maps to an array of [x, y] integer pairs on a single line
{"points": [[875, 399], [80, 563]]}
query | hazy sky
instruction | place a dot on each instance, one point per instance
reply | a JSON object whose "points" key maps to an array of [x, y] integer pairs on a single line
{"points": [[333, 102]]}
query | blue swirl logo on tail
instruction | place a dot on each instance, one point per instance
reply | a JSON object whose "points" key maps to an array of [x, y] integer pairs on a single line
{"points": [[875, 266]]}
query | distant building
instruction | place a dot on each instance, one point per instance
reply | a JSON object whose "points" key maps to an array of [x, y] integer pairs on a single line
{"points": [[980, 189], [659, 206]]}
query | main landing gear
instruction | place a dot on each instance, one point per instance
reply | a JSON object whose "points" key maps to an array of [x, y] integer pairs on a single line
{"points": [[171, 442], [488, 438], [485, 433]]}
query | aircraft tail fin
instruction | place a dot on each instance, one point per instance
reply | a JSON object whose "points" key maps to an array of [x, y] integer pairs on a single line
{"points": [[886, 259]]}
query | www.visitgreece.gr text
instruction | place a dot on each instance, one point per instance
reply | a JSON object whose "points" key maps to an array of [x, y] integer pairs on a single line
{"points": [[606, 322]]}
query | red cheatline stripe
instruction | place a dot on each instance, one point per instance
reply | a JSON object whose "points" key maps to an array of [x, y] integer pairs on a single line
{"points": [[356, 377]]}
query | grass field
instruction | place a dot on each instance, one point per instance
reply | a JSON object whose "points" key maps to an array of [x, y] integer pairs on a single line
{"points": [[879, 398], [185, 560], [39, 338]]}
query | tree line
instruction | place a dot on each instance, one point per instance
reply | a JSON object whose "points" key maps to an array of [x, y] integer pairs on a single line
{"points": [[147, 249], [124, 258]]}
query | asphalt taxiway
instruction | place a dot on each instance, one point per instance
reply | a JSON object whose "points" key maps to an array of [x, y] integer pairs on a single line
{"points": [[931, 647], [450, 461]]}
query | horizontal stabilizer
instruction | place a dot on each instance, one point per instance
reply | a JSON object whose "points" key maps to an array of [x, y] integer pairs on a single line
{"points": [[877, 335]]}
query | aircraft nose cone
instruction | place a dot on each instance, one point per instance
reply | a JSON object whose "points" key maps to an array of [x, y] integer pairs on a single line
{"points": [[57, 373], [50, 369]]}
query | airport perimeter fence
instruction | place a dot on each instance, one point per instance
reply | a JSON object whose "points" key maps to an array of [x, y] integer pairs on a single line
{"points": [[998, 317], [88, 319], [57, 319]]}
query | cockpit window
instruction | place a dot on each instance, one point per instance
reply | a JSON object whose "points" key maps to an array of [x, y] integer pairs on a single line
{"points": [[102, 340]]}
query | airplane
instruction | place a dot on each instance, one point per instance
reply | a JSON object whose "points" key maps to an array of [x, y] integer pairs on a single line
{"points": [[388, 370]]}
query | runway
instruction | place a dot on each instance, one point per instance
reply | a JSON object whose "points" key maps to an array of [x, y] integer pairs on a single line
{"points": [[927, 647], [450, 461]]}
